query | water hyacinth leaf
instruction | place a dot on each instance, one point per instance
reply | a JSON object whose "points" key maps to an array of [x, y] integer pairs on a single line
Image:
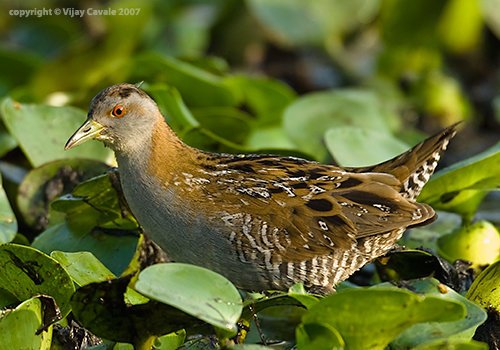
{"points": [[198, 87], [265, 98], [455, 344], [100, 307], [304, 23], [19, 327], [461, 187], [248, 347], [281, 299], [115, 249], [195, 290], [491, 16], [42, 131], [316, 336], [363, 324], [355, 146], [430, 331], [47, 182], [269, 137], [171, 341], [94, 203], [406, 264], [485, 290], [83, 267], [8, 221], [27, 272], [307, 118], [7, 142], [172, 106], [6, 298], [226, 122]]}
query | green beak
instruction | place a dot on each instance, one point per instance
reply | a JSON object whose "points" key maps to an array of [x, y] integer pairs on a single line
{"points": [[89, 130]]}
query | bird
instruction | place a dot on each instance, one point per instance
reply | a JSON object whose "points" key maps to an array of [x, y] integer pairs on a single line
{"points": [[265, 222]]}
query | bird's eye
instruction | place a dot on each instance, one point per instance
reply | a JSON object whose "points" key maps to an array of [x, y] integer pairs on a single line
{"points": [[118, 111]]}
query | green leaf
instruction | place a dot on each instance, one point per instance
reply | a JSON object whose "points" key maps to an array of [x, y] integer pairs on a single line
{"points": [[7, 142], [199, 88], [27, 272], [307, 118], [485, 290], [422, 333], [356, 146], [226, 122], [172, 107], [83, 267], [461, 187], [171, 341], [43, 184], [406, 265], [427, 236], [100, 307], [194, 290], [265, 98], [304, 23], [250, 347], [42, 131], [269, 138], [6, 298], [260, 303], [95, 203], [453, 344], [371, 318], [8, 221], [461, 25], [115, 251], [490, 15], [316, 336], [19, 326]]}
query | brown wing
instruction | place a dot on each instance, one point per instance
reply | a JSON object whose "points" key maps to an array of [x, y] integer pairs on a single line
{"points": [[306, 209]]}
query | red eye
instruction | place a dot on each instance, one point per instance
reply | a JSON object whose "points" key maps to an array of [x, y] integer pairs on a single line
{"points": [[118, 111]]}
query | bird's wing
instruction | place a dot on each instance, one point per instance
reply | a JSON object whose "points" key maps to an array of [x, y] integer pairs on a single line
{"points": [[308, 209]]}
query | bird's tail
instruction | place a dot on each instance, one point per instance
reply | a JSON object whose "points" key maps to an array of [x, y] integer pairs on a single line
{"points": [[414, 167]]}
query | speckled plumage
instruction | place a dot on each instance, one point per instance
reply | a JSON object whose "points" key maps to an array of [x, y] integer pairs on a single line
{"points": [[265, 222]]}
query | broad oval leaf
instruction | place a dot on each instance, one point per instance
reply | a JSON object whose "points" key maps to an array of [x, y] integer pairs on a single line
{"points": [[299, 22], [461, 187], [19, 326], [308, 117], [195, 290], [266, 98], [83, 267], [8, 221], [357, 146], [27, 272], [316, 336], [42, 131], [371, 318], [43, 184], [485, 290], [198, 87], [114, 251], [431, 331]]}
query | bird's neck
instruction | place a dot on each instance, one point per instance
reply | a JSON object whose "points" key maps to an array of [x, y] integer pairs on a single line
{"points": [[160, 157]]}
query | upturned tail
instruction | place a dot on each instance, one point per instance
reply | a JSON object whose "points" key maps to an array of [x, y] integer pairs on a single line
{"points": [[414, 167]]}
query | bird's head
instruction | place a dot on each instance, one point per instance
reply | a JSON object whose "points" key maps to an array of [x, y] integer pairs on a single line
{"points": [[122, 116]]}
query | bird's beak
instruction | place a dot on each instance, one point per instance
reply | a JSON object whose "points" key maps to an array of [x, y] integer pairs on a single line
{"points": [[89, 130]]}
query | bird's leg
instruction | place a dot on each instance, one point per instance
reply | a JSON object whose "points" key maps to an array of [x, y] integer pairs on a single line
{"points": [[257, 324], [114, 178]]}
